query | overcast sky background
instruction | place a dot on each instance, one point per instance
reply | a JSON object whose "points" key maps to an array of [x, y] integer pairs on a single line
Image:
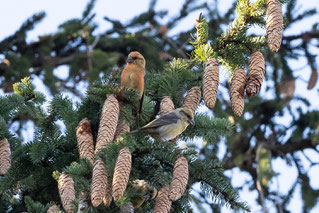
{"points": [[15, 12]]}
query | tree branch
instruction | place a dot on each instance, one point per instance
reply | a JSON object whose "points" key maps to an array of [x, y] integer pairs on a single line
{"points": [[305, 36]]}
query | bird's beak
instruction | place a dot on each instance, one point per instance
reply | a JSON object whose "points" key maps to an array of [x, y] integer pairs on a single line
{"points": [[191, 121], [129, 60]]}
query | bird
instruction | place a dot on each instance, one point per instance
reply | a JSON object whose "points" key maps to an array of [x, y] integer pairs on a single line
{"points": [[166, 127], [133, 75], [134, 72], [144, 191]]}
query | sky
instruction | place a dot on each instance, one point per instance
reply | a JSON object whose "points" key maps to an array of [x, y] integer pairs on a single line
{"points": [[15, 12]]}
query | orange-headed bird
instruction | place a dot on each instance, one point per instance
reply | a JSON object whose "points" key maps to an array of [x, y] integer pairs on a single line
{"points": [[133, 74]]}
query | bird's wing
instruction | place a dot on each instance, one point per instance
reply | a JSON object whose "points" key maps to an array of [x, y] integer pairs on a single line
{"points": [[140, 108], [166, 119]]}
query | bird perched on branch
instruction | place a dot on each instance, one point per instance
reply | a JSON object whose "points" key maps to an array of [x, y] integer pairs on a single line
{"points": [[168, 126], [133, 74], [144, 191]]}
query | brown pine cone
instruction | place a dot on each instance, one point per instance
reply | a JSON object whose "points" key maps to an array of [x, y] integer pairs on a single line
{"points": [[5, 156], [237, 91], [287, 87], [192, 99], [274, 24], [162, 202], [180, 179], [167, 105], [100, 187], [128, 208], [85, 140], [122, 172], [53, 209], [67, 192], [107, 199], [256, 73], [210, 82], [108, 122], [122, 127], [313, 79]]}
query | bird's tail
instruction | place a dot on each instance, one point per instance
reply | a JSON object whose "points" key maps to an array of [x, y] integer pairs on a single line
{"points": [[134, 131]]}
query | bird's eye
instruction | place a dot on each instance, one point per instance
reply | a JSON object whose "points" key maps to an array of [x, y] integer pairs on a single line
{"points": [[134, 58]]}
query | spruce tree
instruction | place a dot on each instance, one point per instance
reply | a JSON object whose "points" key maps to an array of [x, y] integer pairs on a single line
{"points": [[52, 171]]}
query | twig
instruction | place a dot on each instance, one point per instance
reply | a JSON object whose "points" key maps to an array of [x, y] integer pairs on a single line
{"points": [[261, 194]]}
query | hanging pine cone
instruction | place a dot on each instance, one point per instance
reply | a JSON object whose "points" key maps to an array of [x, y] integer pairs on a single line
{"points": [[210, 82], [256, 73], [67, 192], [100, 187], [122, 172], [53, 209], [180, 179], [287, 87], [108, 122], [107, 199], [162, 202], [85, 140], [237, 91], [313, 79], [274, 24], [128, 208], [192, 99], [122, 127], [167, 105], [5, 156]]}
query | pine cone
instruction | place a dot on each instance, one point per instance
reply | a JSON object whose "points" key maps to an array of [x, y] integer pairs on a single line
{"points": [[122, 127], [237, 91], [5, 156], [180, 179], [67, 192], [313, 79], [192, 99], [121, 173], [128, 208], [85, 140], [53, 209], [108, 122], [256, 73], [210, 82], [107, 199], [287, 87], [100, 187], [167, 105], [162, 202], [274, 24]]}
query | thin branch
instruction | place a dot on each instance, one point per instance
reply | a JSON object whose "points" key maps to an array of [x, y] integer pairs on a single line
{"points": [[307, 35]]}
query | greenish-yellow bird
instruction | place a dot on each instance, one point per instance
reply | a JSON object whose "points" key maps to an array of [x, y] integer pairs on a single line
{"points": [[145, 192], [168, 126]]}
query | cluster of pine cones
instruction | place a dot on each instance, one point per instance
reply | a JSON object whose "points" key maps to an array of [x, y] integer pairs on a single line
{"points": [[111, 129], [240, 81]]}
